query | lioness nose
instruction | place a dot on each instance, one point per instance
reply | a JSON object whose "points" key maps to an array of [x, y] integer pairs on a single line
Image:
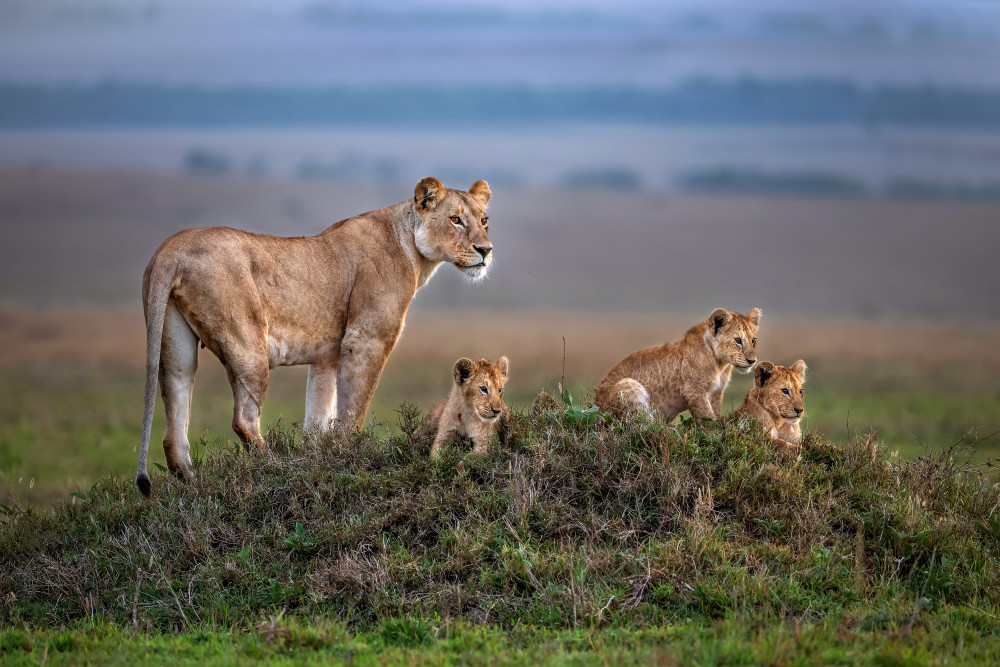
{"points": [[483, 250]]}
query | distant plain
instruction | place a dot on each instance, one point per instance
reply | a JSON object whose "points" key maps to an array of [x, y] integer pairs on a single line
{"points": [[890, 305]]}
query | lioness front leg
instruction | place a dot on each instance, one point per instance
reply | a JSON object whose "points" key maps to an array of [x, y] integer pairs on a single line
{"points": [[362, 358], [321, 395]]}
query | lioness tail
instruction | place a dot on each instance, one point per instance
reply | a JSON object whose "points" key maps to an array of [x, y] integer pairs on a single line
{"points": [[155, 302]]}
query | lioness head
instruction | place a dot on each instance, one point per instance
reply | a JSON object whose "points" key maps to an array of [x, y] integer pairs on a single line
{"points": [[733, 337], [779, 390], [482, 385], [452, 225]]}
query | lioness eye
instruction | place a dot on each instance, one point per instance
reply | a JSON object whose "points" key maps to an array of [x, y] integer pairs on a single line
{"points": [[785, 392], [739, 341], [484, 390], [486, 222], [457, 220]]}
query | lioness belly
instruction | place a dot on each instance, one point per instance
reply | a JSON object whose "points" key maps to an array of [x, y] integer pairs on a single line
{"points": [[297, 348]]}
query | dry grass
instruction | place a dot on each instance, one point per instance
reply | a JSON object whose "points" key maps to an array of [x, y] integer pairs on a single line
{"points": [[94, 338]]}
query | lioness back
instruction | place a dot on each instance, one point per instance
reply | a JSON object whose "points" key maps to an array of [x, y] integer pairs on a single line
{"points": [[473, 406], [691, 374]]}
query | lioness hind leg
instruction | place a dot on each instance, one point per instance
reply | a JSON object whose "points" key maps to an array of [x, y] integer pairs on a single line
{"points": [[629, 396], [178, 364]]}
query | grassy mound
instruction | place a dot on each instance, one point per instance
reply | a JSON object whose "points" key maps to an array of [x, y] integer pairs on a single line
{"points": [[567, 526]]}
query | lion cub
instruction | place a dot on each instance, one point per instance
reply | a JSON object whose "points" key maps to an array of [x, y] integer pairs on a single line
{"points": [[690, 374], [776, 401], [474, 405]]}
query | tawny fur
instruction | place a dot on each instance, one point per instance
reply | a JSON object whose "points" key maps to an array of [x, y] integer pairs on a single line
{"points": [[473, 406], [335, 301], [691, 374], [776, 401]]}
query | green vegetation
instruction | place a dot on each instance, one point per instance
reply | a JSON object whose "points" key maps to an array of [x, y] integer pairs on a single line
{"points": [[572, 541], [61, 432]]}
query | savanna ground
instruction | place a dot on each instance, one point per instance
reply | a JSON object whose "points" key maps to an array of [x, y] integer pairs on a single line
{"points": [[898, 329]]}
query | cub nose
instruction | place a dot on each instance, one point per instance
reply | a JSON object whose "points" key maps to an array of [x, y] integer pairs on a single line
{"points": [[483, 250], [798, 411], [496, 411], [751, 361]]}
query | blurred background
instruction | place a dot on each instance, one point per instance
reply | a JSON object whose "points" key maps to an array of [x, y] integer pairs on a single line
{"points": [[835, 164]]}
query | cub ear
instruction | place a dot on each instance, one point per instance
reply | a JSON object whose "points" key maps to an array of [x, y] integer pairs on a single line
{"points": [[463, 370], [799, 368], [754, 316], [428, 193], [718, 318], [481, 191], [762, 372], [503, 365]]}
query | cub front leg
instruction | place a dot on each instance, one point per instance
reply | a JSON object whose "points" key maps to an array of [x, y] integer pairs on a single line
{"points": [[439, 442], [481, 443], [700, 407], [716, 395]]}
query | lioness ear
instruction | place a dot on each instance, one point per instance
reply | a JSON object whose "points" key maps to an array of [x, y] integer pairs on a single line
{"points": [[754, 316], [481, 191], [799, 368], [503, 365], [463, 370], [718, 318], [762, 372], [428, 193]]}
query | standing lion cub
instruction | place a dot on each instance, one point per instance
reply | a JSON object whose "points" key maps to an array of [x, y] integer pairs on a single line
{"points": [[690, 374], [776, 401], [474, 405]]}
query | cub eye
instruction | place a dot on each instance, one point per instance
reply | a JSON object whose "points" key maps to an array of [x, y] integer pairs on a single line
{"points": [[484, 390], [739, 341], [754, 342], [455, 220], [500, 391], [802, 392], [785, 391]]}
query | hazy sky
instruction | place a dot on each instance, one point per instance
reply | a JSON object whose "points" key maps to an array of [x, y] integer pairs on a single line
{"points": [[650, 43]]}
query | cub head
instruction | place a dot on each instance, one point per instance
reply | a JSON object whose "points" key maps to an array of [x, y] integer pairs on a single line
{"points": [[452, 225], [779, 390], [733, 337], [482, 385]]}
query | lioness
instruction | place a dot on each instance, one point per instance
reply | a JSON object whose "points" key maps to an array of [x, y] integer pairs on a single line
{"points": [[691, 374], [335, 301], [473, 406], [776, 400]]}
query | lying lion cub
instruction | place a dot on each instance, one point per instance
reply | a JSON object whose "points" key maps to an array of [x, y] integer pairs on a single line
{"points": [[776, 401], [474, 405], [690, 374]]}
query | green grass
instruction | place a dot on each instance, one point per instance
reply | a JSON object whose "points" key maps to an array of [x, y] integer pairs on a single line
{"points": [[61, 432], [950, 638], [568, 543]]}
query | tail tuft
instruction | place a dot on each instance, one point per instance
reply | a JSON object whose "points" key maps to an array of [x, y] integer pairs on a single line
{"points": [[142, 481]]}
